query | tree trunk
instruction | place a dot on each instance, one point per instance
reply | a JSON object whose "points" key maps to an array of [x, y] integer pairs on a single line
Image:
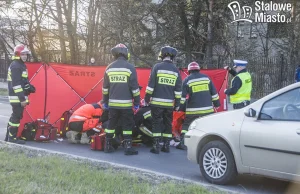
{"points": [[209, 48], [187, 36], [42, 49], [61, 33]]}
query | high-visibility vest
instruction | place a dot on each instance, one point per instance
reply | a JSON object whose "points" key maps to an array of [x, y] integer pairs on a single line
{"points": [[244, 93]]}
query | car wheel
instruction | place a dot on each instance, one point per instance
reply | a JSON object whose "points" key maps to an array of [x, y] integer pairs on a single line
{"points": [[216, 163]]}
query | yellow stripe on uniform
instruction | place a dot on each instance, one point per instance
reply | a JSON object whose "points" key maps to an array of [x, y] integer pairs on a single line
{"points": [[104, 90], [166, 75], [156, 134], [119, 104], [109, 131], [24, 74], [14, 124], [118, 73], [199, 112], [127, 132], [198, 83], [167, 135], [149, 90], [162, 103]]}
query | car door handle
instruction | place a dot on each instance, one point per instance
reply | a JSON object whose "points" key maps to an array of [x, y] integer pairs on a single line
{"points": [[298, 131]]}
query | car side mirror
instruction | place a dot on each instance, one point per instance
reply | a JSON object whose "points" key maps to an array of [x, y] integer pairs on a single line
{"points": [[250, 112]]}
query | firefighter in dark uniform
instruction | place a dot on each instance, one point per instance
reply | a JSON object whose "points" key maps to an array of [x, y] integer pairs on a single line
{"points": [[164, 87], [241, 85], [202, 98], [19, 88], [120, 87]]}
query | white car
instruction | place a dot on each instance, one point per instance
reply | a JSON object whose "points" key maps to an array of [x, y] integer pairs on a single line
{"points": [[262, 139]]}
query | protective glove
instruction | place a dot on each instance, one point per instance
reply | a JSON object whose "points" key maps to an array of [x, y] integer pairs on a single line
{"points": [[136, 107], [105, 106], [32, 89]]}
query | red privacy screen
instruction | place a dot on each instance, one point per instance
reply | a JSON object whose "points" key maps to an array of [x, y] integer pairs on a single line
{"points": [[62, 87]]}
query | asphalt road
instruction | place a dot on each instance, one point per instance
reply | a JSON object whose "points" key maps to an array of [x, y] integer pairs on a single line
{"points": [[174, 163]]}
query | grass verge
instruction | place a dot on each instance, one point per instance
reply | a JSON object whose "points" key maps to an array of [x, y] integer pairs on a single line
{"points": [[3, 92], [24, 172]]}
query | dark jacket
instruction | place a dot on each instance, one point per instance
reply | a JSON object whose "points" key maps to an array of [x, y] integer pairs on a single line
{"points": [[164, 85], [120, 85], [202, 95], [17, 78]]}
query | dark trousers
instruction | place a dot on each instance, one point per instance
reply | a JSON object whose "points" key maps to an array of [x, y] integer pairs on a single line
{"points": [[162, 122], [241, 105], [187, 121], [14, 121], [78, 127], [123, 117]]}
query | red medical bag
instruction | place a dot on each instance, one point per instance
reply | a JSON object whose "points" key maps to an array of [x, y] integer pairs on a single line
{"points": [[98, 141]]}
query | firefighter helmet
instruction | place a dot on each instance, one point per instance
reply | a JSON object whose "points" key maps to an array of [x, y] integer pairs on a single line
{"points": [[120, 49], [167, 51], [193, 66], [21, 49]]}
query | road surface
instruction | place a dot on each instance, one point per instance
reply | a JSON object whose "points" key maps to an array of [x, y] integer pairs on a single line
{"points": [[174, 163]]}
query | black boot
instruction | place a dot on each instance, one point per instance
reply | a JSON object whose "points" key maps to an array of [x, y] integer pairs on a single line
{"points": [[181, 145], [116, 142], [155, 148], [129, 150], [12, 136], [108, 148], [166, 146]]}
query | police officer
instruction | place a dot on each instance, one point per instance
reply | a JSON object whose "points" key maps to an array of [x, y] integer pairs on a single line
{"points": [[164, 87], [19, 88], [241, 85], [202, 98], [120, 87]]}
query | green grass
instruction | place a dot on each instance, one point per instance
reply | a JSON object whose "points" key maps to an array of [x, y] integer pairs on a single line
{"points": [[26, 173], [3, 92]]}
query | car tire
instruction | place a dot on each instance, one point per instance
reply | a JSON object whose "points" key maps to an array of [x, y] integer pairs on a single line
{"points": [[219, 166]]}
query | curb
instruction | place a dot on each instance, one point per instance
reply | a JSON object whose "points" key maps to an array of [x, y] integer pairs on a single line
{"points": [[116, 165]]}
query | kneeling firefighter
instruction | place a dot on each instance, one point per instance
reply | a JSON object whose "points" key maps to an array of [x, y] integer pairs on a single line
{"points": [[83, 121], [143, 125], [19, 89]]}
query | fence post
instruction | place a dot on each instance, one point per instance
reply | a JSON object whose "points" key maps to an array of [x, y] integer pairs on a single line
{"points": [[281, 69]]}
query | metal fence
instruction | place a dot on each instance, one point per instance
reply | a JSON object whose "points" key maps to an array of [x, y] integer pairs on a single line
{"points": [[3, 69], [270, 74]]}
